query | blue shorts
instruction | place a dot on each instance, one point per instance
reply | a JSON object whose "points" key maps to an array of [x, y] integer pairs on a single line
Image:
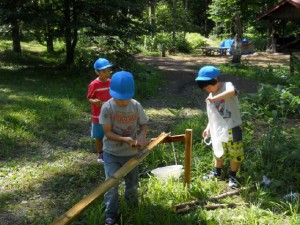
{"points": [[97, 131]]}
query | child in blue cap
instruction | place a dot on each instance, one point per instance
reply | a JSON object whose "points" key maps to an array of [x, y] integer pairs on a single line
{"points": [[98, 93], [125, 126], [224, 97]]}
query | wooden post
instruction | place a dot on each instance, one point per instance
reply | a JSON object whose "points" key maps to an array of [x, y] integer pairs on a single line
{"points": [[78, 208], [163, 50], [237, 54], [188, 156], [292, 66]]}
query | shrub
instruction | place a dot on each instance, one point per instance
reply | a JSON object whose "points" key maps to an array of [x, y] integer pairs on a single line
{"points": [[195, 40], [276, 101]]}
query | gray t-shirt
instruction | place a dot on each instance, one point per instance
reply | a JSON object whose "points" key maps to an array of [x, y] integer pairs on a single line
{"points": [[125, 122], [229, 108]]}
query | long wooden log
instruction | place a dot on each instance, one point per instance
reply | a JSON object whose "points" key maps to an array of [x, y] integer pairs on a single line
{"points": [[212, 207], [211, 199], [189, 206], [230, 205], [78, 208]]}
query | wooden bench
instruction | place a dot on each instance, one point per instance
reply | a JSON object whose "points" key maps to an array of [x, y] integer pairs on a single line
{"points": [[210, 51]]}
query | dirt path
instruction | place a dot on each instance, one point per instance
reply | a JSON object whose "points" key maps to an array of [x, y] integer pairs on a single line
{"points": [[180, 97]]}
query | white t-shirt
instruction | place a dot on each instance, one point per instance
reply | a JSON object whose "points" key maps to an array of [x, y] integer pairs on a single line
{"points": [[229, 108], [125, 122]]}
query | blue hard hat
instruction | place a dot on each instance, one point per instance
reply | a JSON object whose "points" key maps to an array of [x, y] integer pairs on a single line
{"points": [[101, 64], [207, 73], [122, 85]]}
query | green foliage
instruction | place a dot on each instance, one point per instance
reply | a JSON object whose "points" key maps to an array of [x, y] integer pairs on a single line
{"points": [[271, 74], [184, 44], [117, 51], [147, 80], [222, 11], [195, 40], [274, 102], [275, 155], [170, 15]]}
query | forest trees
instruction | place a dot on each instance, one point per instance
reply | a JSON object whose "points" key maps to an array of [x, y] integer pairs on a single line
{"points": [[52, 19], [121, 23], [12, 14], [228, 13]]}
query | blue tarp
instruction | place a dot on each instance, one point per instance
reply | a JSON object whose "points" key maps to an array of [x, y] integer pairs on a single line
{"points": [[228, 43]]}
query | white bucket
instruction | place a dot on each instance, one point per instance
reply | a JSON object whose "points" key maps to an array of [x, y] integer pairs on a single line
{"points": [[168, 172]]}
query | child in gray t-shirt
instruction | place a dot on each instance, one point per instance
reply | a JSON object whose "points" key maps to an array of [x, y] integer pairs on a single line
{"points": [[125, 127]]}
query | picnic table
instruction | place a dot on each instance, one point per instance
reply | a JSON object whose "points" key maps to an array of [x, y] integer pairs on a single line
{"points": [[214, 50]]}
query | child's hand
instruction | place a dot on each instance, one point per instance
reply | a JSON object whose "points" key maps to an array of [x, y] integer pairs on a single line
{"points": [[206, 133], [141, 139], [98, 102], [128, 140], [132, 143], [210, 99]]}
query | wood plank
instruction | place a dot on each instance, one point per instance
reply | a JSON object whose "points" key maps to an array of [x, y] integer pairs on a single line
{"points": [[174, 138]]}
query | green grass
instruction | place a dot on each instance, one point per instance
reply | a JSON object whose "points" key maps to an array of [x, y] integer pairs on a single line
{"points": [[47, 158]]}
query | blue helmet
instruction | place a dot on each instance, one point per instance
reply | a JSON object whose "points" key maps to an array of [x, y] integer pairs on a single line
{"points": [[122, 85], [101, 64], [207, 73]]}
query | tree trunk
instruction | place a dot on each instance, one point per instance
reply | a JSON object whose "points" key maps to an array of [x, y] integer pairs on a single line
{"points": [[71, 35], [237, 53], [153, 22], [174, 24], [15, 30], [186, 20], [50, 47], [49, 40]]}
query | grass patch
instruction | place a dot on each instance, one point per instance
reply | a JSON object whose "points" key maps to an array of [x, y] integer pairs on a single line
{"points": [[48, 161], [47, 158]]}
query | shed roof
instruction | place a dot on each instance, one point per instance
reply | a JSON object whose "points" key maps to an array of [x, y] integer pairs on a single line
{"points": [[285, 10]]}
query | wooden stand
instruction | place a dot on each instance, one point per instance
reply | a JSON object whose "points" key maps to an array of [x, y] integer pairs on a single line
{"points": [[78, 208], [187, 138]]}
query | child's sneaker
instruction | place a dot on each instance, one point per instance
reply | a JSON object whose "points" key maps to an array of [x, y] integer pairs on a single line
{"points": [[110, 221], [212, 174], [100, 158], [234, 182]]}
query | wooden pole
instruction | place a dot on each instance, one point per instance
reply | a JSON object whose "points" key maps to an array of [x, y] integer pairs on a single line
{"points": [[190, 206], [211, 199], [78, 208], [188, 156], [212, 207], [292, 68]]}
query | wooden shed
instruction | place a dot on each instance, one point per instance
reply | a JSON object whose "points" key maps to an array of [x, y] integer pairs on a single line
{"points": [[287, 10]]}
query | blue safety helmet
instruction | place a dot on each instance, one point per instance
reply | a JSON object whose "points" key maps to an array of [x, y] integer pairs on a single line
{"points": [[101, 64], [207, 73], [122, 85]]}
